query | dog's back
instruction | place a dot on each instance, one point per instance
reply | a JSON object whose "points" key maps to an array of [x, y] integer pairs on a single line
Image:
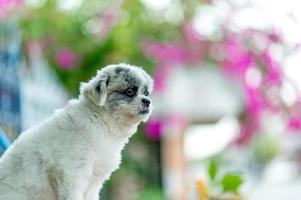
{"points": [[22, 173], [68, 143]]}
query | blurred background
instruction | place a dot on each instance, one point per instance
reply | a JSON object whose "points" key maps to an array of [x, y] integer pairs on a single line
{"points": [[227, 117]]}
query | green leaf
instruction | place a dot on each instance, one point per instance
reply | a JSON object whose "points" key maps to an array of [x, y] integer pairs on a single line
{"points": [[231, 182], [213, 169]]}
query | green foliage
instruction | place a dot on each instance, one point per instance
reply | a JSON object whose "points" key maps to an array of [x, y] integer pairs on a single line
{"points": [[225, 182], [56, 29], [265, 148], [231, 182], [213, 169], [145, 169], [151, 194]]}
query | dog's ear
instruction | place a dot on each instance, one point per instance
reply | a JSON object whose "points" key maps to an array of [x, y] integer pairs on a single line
{"points": [[101, 90], [96, 89]]}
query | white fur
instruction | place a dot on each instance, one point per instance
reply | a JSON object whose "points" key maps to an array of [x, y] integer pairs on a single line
{"points": [[67, 157]]}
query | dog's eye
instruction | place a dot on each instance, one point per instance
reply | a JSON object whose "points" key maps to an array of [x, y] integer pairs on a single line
{"points": [[130, 92], [146, 93]]}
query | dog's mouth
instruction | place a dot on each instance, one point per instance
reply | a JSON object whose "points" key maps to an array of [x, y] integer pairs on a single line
{"points": [[144, 111]]}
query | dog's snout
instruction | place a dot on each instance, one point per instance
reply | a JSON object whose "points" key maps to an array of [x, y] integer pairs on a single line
{"points": [[145, 102]]}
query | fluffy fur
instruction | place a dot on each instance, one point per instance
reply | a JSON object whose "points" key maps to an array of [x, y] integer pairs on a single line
{"points": [[71, 155]]}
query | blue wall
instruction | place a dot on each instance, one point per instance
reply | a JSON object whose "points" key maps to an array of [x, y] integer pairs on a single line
{"points": [[10, 117]]}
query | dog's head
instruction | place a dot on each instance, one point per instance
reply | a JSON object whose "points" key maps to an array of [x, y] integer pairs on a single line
{"points": [[122, 90]]}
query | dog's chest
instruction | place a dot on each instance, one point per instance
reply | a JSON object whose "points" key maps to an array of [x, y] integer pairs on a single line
{"points": [[107, 158]]}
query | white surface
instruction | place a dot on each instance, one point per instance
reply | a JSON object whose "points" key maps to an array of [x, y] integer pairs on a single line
{"points": [[201, 93], [41, 91], [202, 141], [284, 191]]}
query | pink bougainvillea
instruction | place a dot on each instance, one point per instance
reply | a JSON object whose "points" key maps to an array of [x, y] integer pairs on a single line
{"points": [[236, 58], [294, 123], [168, 56], [153, 129], [172, 52], [6, 6], [274, 73], [9, 3], [237, 54], [66, 58], [294, 117]]}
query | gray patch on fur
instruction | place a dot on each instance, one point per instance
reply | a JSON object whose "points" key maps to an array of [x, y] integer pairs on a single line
{"points": [[126, 78], [119, 69], [121, 79], [54, 178]]}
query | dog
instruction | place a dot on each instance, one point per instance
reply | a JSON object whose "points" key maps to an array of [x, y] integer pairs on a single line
{"points": [[71, 154]]}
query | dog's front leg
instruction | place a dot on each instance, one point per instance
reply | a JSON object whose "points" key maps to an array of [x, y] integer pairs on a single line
{"points": [[67, 185], [94, 188], [93, 192], [71, 191]]}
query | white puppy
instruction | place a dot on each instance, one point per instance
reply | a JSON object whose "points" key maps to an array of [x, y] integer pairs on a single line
{"points": [[71, 155]]}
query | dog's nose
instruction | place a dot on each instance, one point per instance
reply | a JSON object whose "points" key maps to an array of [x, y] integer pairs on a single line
{"points": [[145, 102]]}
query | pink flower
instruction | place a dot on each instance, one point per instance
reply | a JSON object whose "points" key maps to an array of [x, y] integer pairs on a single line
{"points": [[274, 73], [9, 3], [153, 129], [276, 36], [294, 124], [254, 101], [294, 121], [6, 6], [173, 52], [66, 58], [236, 58], [255, 104], [168, 55]]}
